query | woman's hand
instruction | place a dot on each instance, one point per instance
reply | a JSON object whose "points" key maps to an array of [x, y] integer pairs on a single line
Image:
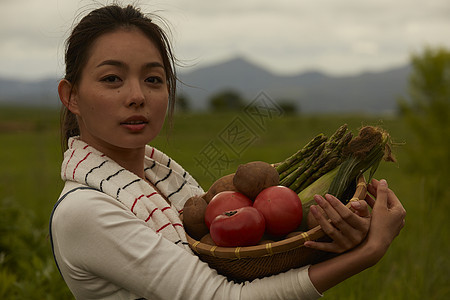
{"points": [[388, 215], [347, 229], [388, 218]]}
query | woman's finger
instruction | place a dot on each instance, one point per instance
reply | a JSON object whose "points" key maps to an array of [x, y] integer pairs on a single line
{"points": [[321, 219], [372, 187], [396, 206], [361, 208], [327, 226], [329, 207], [324, 246], [370, 200], [346, 229], [341, 217], [393, 201]]}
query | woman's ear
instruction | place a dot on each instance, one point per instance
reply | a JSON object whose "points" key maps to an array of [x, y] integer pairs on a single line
{"points": [[68, 96]]}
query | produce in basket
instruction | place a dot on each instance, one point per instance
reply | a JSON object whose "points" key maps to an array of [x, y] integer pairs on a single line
{"points": [[241, 227], [194, 217], [224, 201], [334, 165], [281, 208], [362, 153], [253, 177], [222, 184], [268, 257], [318, 157]]}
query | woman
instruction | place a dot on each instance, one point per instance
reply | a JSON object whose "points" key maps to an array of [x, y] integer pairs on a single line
{"points": [[116, 231]]}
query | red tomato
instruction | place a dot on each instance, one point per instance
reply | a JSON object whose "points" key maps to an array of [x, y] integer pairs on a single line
{"points": [[281, 208], [224, 201], [238, 228]]}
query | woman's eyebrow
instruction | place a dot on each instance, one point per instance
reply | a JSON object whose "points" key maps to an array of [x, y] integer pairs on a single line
{"points": [[117, 63], [111, 62], [155, 64]]}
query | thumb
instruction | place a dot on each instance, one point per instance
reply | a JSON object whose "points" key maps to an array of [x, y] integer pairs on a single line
{"points": [[382, 194]]}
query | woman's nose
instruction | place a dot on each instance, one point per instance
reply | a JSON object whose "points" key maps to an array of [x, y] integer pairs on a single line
{"points": [[136, 95]]}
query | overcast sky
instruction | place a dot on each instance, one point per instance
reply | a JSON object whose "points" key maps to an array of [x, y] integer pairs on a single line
{"points": [[285, 36]]}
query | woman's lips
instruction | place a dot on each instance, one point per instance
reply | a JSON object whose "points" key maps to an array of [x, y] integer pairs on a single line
{"points": [[134, 127], [135, 123]]}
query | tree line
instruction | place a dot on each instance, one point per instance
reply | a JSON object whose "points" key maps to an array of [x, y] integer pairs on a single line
{"points": [[231, 100]]}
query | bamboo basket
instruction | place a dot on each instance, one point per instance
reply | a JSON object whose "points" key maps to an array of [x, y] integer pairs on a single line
{"points": [[241, 264]]}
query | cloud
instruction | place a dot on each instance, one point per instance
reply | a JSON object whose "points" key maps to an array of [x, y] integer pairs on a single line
{"points": [[286, 36], [335, 36], [32, 34]]}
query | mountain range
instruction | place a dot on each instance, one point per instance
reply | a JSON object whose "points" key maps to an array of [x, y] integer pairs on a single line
{"points": [[370, 92]]}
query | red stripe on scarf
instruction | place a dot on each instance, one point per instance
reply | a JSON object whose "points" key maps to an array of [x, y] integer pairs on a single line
{"points": [[150, 215], [73, 175], [153, 152], [162, 227], [135, 201], [154, 193]]}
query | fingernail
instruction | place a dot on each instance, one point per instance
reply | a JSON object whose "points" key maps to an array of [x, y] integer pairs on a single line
{"points": [[356, 204], [383, 182], [318, 199], [331, 199]]}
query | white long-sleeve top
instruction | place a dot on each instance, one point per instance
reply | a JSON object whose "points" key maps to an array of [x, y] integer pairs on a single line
{"points": [[105, 252]]}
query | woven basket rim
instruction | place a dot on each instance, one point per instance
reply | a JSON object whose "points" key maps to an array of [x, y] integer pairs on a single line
{"points": [[274, 247]]}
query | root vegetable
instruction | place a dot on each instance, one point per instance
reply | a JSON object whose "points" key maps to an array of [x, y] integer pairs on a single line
{"points": [[194, 217], [222, 184], [253, 177]]}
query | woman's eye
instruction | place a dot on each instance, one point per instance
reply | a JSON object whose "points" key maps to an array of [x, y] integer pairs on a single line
{"points": [[111, 79], [154, 79]]}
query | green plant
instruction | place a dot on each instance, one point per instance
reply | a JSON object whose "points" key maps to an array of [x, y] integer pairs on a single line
{"points": [[427, 112]]}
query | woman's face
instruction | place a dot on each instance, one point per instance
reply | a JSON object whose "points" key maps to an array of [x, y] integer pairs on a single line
{"points": [[122, 96]]}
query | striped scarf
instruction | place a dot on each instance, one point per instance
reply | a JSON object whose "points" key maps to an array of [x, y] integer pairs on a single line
{"points": [[84, 164]]}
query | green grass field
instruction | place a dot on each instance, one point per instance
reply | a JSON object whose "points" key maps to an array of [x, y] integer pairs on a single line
{"points": [[415, 267]]}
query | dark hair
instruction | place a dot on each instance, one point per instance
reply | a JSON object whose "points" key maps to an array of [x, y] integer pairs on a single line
{"points": [[98, 22]]}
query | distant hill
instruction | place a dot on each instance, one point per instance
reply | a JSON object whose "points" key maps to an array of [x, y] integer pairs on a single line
{"points": [[42, 92], [372, 92]]}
